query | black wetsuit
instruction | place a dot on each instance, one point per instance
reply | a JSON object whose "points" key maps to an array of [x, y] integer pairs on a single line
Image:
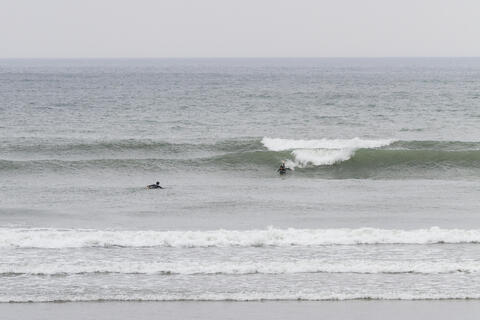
{"points": [[282, 169], [154, 186]]}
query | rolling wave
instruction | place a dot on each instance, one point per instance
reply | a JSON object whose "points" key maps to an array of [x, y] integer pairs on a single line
{"points": [[362, 158], [242, 268], [277, 144], [330, 158], [377, 153], [248, 296], [78, 238], [59, 146], [63, 148], [321, 152]]}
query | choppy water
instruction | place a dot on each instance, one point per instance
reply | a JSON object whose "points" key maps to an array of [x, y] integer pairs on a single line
{"points": [[381, 202]]}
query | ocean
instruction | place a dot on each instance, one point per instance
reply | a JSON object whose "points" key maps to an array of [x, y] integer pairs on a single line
{"points": [[381, 202]]}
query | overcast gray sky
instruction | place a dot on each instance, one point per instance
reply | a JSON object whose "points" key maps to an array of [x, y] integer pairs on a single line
{"points": [[242, 28]]}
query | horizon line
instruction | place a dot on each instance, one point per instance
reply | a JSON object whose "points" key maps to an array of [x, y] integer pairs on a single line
{"points": [[236, 57]]}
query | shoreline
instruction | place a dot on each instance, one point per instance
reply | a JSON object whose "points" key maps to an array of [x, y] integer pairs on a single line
{"points": [[351, 309]]}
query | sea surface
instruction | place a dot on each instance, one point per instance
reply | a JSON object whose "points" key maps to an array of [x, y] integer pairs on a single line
{"points": [[382, 200]]}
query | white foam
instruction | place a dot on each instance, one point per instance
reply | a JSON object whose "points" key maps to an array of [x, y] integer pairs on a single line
{"points": [[321, 152], [75, 238], [277, 144], [246, 296], [242, 267], [318, 157]]}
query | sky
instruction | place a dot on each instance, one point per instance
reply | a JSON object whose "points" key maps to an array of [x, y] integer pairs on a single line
{"points": [[241, 28]]}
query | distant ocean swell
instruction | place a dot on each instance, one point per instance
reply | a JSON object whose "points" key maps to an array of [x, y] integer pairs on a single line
{"points": [[331, 158], [78, 238], [63, 148]]}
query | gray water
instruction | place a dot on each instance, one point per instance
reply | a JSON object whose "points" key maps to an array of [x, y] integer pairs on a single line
{"points": [[381, 202]]}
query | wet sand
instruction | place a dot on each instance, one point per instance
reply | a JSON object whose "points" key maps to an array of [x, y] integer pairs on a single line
{"points": [[359, 310]]}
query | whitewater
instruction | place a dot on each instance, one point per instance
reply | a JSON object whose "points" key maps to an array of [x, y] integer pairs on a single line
{"points": [[233, 268], [63, 238], [321, 152], [381, 202]]}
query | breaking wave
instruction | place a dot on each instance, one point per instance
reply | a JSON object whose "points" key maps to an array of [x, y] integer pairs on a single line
{"points": [[238, 267], [249, 296], [321, 152], [374, 153], [77, 238], [276, 144], [329, 158]]}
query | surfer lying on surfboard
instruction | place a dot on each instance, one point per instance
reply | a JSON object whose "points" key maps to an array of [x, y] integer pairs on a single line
{"points": [[155, 186]]}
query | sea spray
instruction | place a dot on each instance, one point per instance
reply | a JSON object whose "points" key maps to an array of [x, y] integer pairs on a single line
{"points": [[320, 152]]}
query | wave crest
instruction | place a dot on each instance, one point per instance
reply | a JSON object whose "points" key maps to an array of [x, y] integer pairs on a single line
{"points": [[257, 296], [323, 151], [243, 267], [76, 238], [277, 144]]}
